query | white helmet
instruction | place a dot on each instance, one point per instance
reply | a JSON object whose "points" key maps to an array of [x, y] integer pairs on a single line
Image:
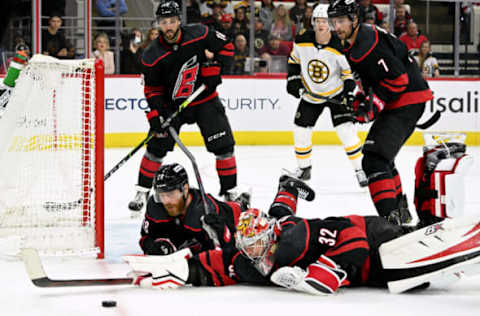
{"points": [[320, 11]]}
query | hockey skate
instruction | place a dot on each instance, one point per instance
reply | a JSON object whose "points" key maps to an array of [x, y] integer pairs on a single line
{"points": [[401, 216], [304, 174], [361, 178], [138, 202], [241, 195], [304, 191]]}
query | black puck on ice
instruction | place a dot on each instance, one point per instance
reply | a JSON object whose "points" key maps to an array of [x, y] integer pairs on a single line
{"points": [[109, 303]]}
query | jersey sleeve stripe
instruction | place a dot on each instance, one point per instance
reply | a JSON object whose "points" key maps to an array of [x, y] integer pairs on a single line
{"points": [[393, 89], [357, 60], [156, 60], [197, 39]]}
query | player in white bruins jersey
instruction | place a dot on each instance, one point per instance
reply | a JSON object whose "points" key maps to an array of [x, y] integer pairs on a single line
{"points": [[320, 76]]}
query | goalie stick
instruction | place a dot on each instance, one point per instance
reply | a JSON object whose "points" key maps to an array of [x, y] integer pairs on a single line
{"points": [[165, 125], [39, 278]]}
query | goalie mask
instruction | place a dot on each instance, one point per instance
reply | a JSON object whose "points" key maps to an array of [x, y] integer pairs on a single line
{"points": [[255, 238]]}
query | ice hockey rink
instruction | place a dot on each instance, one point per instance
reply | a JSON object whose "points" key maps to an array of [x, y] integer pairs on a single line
{"points": [[258, 167]]}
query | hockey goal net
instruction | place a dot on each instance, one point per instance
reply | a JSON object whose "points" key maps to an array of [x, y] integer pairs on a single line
{"points": [[51, 159]]}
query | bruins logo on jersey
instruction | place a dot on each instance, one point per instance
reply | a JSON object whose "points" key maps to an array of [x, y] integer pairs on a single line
{"points": [[318, 71]]}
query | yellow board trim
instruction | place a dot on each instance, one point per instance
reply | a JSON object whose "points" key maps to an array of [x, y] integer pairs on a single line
{"points": [[113, 140]]}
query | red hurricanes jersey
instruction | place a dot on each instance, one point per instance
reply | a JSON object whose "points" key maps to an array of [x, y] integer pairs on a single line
{"points": [[171, 71]]}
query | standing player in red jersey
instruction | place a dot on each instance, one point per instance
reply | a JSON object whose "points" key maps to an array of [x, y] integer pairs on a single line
{"points": [[174, 66]]}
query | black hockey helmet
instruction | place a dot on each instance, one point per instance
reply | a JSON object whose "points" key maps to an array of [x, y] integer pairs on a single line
{"points": [[168, 178], [168, 8], [343, 7]]}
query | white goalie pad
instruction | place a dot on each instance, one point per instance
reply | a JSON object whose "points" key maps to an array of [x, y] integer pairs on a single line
{"points": [[435, 253], [449, 178]]}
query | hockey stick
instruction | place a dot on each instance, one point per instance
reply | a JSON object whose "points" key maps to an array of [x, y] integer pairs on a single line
{"points": [[150, 135], [174, 135], [327, 99], [37, 274]]}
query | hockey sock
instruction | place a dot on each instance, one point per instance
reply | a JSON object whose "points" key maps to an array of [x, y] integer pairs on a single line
{"points": [[397, 182], [227, 172], [380, 183], [285, 203], [149, 165], [303, 145], [351, 143]]}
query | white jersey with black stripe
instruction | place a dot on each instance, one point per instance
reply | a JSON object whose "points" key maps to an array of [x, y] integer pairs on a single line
{"points": [[323, 68]]}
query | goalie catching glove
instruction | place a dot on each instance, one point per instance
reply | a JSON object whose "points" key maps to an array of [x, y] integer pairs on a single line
{"points": [[363, 112], [323, 277]]}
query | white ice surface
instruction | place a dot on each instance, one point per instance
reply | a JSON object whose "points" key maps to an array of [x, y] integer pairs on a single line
{"points": [[259, 167]]}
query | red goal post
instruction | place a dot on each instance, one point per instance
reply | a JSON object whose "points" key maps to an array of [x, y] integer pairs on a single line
{"points": [[52, 159]]}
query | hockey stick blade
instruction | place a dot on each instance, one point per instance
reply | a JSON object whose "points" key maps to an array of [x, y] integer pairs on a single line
{"points": [[39, 278]]}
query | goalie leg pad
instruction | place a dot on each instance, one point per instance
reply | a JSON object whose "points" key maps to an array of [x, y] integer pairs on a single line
{"points": [[430, 253]]}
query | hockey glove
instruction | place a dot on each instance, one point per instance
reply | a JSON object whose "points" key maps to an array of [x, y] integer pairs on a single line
{"points": [[295, 86], [161, 246], [155, 121], [363, 111], [348, 94], [321, 278], [210, 73], [217, 224]]}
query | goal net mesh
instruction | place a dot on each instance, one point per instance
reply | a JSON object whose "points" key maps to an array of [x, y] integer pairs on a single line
{"points": [[47, 159]]}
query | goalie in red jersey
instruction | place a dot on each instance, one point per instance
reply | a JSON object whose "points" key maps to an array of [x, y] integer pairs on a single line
{"points": [[318, 256]]}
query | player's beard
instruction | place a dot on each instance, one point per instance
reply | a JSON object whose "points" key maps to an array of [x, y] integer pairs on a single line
{"points": [[175, 209], [171, 35]]}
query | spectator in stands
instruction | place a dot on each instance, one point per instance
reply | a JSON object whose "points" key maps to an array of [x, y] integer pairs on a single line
{"points": [[107, 9], [384, 25], [240, 22], [266, 14], [426, 62], [213, 20], [275, 47], [152, 34], [307, 19], [193, 11], [261, 36], [297, 11], [240, 54], [369, 13], [53, 40], [226, 25], [102, 45], [282, 25], [401, 21], [206, 7], [412, 38]]}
